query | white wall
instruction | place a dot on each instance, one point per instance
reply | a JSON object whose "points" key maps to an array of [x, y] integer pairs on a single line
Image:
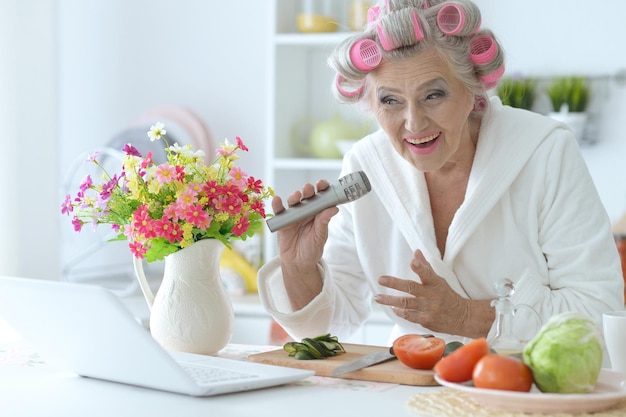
{"points": [[85, 68], [562, 37], [119, 57], [28, 138]]}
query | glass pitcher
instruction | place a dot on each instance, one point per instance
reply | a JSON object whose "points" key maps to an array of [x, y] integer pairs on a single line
{"points": [[505, 341]]}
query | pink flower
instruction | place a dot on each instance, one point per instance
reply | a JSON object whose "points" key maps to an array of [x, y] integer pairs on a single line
{"points": [[197, 187], [187, 197], [129, 149], [197, 216], [108, 187], [180, 173], [66, 207], [225, 152], [258, 207], [165, 173], [232, 204], [256, 186], [240, 144], [227, 203], [143, 223], [211, 188], [78, 225], [86, 184], [239, 177], [147, 161], [241, 227], [172, 211], [93, 156], [168, 230], [137, 249]]}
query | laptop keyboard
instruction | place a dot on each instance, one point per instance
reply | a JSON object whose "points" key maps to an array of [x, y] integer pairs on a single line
{"points": [[207, 375]]}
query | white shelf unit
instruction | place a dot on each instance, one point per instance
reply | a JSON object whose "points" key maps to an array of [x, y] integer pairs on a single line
{"points": [[299, 82]]}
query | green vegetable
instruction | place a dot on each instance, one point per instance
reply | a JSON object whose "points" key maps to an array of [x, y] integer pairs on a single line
{"points": [[319, 347], [566, 355], [451, 347]]}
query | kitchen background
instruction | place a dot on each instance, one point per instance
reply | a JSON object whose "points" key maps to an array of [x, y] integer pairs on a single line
{"points": [[75, 73]]}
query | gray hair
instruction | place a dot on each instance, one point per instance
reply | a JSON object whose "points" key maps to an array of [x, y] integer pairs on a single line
{"points": [[402, 28]]}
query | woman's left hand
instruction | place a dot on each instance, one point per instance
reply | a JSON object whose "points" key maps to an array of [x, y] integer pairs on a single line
{"points": [[433, 303]]}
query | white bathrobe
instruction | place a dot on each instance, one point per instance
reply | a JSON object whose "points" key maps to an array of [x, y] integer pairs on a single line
{"points": [[531, 214]]}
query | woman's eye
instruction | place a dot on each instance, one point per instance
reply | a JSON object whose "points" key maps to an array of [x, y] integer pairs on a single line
{"points": [[388, 100], [435, 95]]}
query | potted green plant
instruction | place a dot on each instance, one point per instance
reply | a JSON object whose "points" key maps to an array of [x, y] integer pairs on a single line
{"points": [[517, 92], [572, 92], [569, 97]]}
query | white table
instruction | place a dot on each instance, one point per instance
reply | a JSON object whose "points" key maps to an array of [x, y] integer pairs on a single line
{"points": [[30, 387]]}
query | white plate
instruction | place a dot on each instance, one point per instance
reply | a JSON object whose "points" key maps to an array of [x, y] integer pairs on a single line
{"points": [[610, 389]]}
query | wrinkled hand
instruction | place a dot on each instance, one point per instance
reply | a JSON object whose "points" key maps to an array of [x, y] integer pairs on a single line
{"points": [[303, 243], [431, 303]]}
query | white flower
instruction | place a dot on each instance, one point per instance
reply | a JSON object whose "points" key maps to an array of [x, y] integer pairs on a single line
{"points": [[176, 148], [156, 132], [187, 151]]}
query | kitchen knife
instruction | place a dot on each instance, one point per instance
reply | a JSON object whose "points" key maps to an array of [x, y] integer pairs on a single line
{"points": [[364, 362]]}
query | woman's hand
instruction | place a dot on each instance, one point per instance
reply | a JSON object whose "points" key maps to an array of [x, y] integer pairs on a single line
{"points": [[434, 304], [303, 243], [301, 246]]}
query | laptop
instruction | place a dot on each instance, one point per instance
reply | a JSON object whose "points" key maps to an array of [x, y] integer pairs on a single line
{"points": [[87, 330]]}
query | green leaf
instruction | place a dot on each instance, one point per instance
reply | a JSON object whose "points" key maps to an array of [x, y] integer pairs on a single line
{"points": [[121, 236], [160, 249]]}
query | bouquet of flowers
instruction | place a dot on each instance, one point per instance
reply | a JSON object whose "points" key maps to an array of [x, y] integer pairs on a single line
{"points": [[162, 208]]}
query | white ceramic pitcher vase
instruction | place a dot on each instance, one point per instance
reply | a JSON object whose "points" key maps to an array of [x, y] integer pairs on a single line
{"points": [[191, 311]]}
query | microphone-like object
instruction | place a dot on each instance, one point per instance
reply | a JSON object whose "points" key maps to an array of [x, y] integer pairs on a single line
{"points": [[348, 188]]}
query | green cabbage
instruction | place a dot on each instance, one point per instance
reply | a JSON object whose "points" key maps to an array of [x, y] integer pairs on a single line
{"points": [[566, 355]]}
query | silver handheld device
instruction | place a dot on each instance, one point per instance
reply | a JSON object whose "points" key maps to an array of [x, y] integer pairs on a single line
{"points": [[348, 188]]}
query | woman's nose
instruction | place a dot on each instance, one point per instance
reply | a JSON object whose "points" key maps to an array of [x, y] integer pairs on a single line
{"points": [[413, 119]]}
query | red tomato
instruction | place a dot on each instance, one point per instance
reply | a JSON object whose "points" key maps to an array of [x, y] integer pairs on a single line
{"points": [[459, 365], [417, 351], [502, 372]]}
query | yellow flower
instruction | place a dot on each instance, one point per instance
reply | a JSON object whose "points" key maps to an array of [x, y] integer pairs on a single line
{"points": [[187, 235], [154, 187]]}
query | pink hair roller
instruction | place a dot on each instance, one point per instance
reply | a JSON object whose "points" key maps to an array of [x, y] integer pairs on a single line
{"points": [[451, 19], [384, 41], [373, 13], [419, 35], [490, 80], [365, 55], [483, 49], [339, 79]]}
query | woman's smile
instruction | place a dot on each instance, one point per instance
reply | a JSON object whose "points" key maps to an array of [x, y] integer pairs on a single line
{"points": [[423, 144]]}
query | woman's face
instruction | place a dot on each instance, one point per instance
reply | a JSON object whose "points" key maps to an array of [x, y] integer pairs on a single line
{"points": [[424, 109]]}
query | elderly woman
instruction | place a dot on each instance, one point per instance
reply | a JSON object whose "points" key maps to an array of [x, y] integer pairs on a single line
{"points": [[465, 192]]}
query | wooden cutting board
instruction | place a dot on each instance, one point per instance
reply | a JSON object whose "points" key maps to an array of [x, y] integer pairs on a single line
{"points": [[392, 371]]}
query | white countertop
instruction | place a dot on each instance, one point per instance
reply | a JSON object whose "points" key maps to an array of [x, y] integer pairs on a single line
{"points": [[30, 387], [48, 392]]}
